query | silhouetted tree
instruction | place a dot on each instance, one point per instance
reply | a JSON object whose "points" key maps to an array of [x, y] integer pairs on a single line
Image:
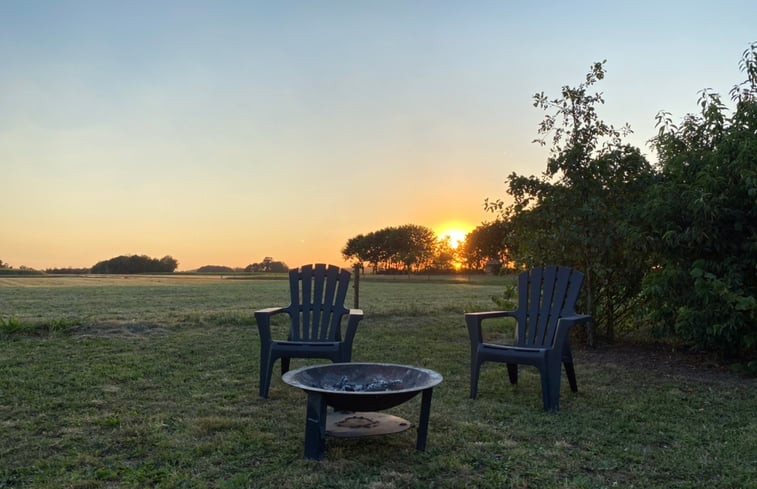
{"points": [[444, 257], [168, 264], [404, 248], [68, 271], [135, 264], [267, 265], [357, 250], [214, 269], [485, 244]]}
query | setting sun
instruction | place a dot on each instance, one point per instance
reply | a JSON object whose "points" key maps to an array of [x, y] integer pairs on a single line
{"points": [[455, 232], [456, 237]]}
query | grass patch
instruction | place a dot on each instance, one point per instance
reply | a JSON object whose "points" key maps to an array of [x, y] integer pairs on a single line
{"points": [[157, 387], [13, 326]]}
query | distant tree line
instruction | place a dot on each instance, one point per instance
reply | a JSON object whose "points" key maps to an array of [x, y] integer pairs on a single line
{"points": [[267, 265], [668, 249], [412, 248], [22, 270], [68, 271], [215, 269], [404, 248], [7, 269], [136, 264]]}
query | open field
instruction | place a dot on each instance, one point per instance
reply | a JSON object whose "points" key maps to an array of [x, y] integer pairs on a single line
{"points": [[109, 382]]}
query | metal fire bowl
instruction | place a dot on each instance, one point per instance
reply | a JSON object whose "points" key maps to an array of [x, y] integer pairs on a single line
{"points": [[363, 386]]}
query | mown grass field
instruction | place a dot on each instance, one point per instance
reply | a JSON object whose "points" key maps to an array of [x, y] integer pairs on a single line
{"points": [[152, 382]]}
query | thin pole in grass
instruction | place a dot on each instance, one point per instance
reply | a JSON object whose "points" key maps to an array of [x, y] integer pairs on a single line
{"points": [[356, 285]]}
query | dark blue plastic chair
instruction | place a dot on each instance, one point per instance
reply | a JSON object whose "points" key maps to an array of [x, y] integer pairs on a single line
{"points": [[545, 313], [316, 313]]}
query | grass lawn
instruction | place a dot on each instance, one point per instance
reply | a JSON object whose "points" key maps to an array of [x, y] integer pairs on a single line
{"points": [[152, 382]]}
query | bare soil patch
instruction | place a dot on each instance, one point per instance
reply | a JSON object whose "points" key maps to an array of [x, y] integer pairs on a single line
{"points": [[121, 330], [664, 359]]}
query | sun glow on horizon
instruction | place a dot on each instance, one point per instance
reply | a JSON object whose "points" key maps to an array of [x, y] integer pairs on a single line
{"points": [[454, 233]]}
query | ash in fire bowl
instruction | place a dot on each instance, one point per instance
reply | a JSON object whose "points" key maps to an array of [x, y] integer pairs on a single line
{"points": [[346, 385], [362, 378]]}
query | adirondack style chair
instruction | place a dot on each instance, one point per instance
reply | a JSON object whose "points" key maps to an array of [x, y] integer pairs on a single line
{"points": [[316, 313], [544, 315]]}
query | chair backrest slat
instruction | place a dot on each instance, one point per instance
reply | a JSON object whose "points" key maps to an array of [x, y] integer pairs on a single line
{"points": [[534, 303], [317, 295], [544, 295], [295, 293], [329, 295], [316, 303], [341, 286], [542, 323], [557, 307]]}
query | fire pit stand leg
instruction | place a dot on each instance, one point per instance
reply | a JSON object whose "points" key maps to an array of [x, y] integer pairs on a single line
{"points": [[315, 426], [420, 444]]}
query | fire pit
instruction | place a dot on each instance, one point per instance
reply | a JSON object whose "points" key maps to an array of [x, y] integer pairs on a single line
{"points": [[356, 389]]}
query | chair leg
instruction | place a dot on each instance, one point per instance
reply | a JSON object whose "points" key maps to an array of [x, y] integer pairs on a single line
{"points": [[550, 384], [315, 426], [571, 373], [475, 369], [546, 390], [266, 364], [345, 356], [567, 359], [512, 372], [554, 393]]}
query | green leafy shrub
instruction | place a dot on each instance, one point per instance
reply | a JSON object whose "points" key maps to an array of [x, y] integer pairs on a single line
{"points": [[583, 211], [702, 223]]}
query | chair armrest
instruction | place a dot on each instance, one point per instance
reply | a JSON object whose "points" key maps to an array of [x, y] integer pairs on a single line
{"points": [[269, 311], [565, 323], [355, 316], [573, 320], [480, 316], [474, 319], [263, 318]]}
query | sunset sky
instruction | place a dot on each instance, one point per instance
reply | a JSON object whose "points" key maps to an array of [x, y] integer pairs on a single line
{"points": [[224, 132]]}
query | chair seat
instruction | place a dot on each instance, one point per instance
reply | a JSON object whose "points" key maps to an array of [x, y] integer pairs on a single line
{"points": [[512, 348], [513, 354], [330, 350], [311, 345]]}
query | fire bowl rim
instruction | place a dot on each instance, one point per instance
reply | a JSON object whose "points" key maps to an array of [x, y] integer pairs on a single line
{"points": [[434, 379]]}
